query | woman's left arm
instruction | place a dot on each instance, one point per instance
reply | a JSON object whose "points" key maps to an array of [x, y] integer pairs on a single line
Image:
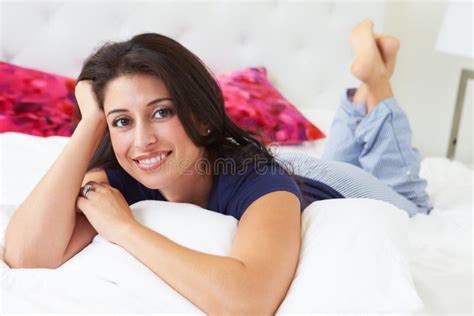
{"points": [[254, 279]]}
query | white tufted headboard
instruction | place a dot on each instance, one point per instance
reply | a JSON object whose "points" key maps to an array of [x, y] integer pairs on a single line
{"points": [[303, 44]]}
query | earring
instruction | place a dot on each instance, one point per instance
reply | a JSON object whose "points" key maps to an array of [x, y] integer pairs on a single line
{"points": [[208, 131]]}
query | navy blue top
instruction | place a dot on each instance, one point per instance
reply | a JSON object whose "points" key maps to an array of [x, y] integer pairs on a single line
{"points": [[231, 194]]}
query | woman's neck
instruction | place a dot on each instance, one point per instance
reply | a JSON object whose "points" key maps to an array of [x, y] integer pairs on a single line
{"points": [[191, 188]]}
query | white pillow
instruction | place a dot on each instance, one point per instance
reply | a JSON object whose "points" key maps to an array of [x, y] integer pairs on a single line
{"points": [[186, 224], [106, 278], [5, 214], [353, 259]]}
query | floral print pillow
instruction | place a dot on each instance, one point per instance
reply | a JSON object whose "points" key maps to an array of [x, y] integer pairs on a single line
{"points": [[35, 102], [42, 104], [255, 105]]}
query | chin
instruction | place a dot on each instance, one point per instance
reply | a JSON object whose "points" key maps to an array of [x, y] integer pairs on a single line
{"points": [[154, 181]]}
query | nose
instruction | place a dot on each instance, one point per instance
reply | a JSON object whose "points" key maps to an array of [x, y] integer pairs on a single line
{"points": [[144, 136]]}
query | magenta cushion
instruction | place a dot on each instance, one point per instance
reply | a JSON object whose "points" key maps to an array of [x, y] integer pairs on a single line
{"points": [[35, 102], [42, 104], [255, 105]]}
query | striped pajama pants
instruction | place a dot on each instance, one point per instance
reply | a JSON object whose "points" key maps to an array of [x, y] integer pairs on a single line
{"points": [[368, 156]]}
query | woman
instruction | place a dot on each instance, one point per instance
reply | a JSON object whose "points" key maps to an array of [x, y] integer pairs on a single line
{"points": [[151, 114]]}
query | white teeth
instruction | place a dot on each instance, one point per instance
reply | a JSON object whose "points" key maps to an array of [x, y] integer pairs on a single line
{"points": [[152, 160]]}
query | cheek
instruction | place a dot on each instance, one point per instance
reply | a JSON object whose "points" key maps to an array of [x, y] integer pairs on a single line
{"points": [[182, 140], [120, 144], [189, 150]]}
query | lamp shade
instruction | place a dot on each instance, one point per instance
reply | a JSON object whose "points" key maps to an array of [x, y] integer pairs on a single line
{"points": [[456, 35]]}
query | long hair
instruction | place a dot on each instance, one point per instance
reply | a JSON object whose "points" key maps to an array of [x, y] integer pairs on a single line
{"points": [[191, 85]]}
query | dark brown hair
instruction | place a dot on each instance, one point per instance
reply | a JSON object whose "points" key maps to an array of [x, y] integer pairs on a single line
{"points": [[191, 85]]}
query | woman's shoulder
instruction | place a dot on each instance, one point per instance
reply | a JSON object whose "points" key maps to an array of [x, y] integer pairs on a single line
{"points": [[235, 189], [228, 173]]}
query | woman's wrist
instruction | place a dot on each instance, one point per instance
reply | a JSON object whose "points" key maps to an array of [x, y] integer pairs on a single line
{"points": [[89, 132], [123, 232], [94, 121]]}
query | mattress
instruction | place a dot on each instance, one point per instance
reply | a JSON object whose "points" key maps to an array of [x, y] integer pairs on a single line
{"points": [[440, 244]]}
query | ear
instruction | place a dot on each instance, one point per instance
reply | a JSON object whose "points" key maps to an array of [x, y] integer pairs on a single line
{"points": [[203, 128]]}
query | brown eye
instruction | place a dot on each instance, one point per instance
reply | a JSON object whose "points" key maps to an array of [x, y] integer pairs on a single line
{"points": [[120, 122], [162, 113]]}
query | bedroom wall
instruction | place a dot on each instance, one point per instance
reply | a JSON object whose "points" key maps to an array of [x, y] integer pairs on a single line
{"points": [[426, 81]]}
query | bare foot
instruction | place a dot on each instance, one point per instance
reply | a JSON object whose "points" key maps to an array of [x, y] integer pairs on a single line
{"points": [[388, 48], [368, 65]]}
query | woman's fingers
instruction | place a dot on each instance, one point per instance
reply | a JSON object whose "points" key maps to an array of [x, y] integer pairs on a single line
{"points": [[91, 188], [87, 101], [80, 204], [97, 186]]}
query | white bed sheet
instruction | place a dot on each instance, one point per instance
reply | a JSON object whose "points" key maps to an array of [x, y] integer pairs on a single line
{"points": [[338, 248], [440, 244]]}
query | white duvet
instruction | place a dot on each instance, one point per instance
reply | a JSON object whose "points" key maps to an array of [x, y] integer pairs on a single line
{"points": [[357, 255]]}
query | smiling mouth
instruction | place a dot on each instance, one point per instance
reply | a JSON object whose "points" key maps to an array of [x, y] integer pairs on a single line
{"points": [[153, 163]]}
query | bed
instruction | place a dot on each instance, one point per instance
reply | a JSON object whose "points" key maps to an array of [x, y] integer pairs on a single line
{"points": [[379, 260]]}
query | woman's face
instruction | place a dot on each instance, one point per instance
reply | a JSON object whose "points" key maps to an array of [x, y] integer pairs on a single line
{"points": [[148, 139]]}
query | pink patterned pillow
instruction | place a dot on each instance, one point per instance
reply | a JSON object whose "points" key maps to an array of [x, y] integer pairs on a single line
{"points": [[34, 102], [42, 104], [255, 105]]}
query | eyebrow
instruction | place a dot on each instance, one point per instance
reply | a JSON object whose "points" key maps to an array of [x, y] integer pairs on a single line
{"points": [[149, 103]]}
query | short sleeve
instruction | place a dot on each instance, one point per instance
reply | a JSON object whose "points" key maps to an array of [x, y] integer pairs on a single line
{"points": [[258, 183]]}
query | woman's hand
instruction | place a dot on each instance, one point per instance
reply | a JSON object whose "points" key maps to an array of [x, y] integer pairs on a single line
{"points": [[107, 210], [87, 101]]}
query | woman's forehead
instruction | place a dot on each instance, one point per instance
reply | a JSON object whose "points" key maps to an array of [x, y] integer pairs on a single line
{"points": [[134, 90]]}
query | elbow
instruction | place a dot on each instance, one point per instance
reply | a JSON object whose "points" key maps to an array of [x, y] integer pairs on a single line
{"points": [[20, 256], [21, 260]]}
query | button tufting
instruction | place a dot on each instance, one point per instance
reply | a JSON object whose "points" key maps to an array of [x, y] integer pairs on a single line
{"points": [[243, 39], [293, 40], [330, 9]]}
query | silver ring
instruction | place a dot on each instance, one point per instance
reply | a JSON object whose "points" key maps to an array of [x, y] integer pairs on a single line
{"points": [[86, 189]]}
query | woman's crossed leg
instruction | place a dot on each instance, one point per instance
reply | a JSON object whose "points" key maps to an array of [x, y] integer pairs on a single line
{"points": [[370, 130]]}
